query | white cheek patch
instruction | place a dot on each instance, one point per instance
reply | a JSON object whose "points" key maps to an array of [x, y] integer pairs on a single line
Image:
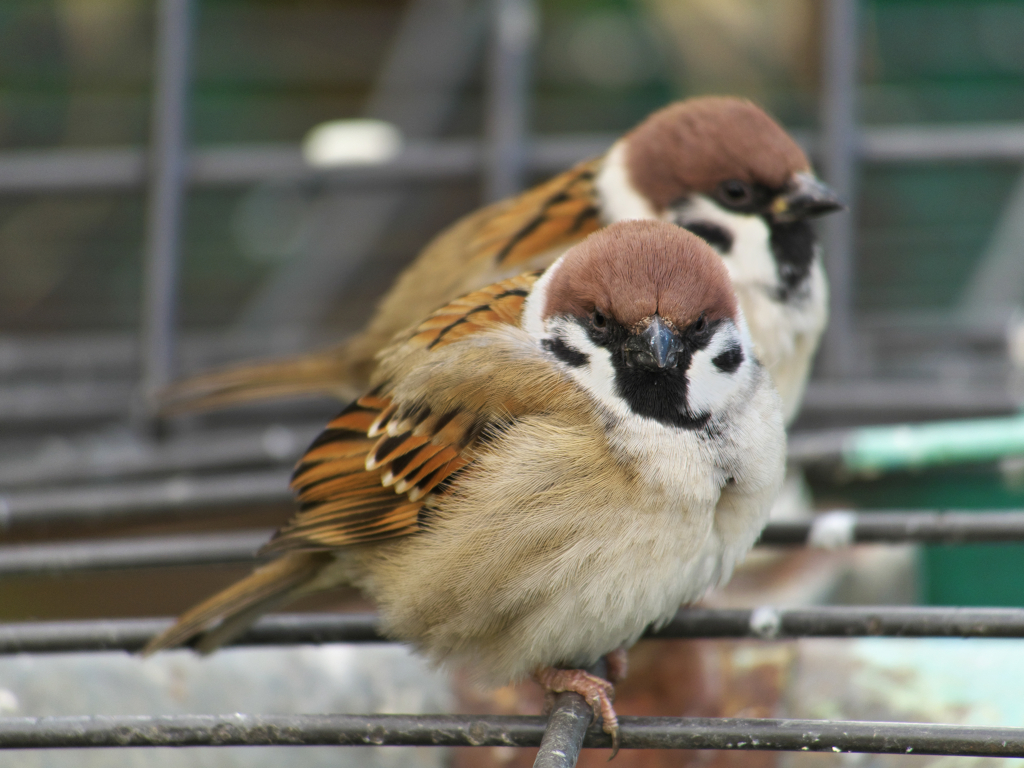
{"points": [[532, 321], [619, 199], [718, 370], [597, 375], [750, 260]]}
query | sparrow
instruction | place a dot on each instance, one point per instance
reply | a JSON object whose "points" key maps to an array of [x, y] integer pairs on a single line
{"points": [[717, 166], [541, 470]]}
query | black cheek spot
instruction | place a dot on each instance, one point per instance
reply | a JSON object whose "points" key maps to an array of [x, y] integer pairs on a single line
{"points": [[729, 360], [718, 238], [565, 353]]}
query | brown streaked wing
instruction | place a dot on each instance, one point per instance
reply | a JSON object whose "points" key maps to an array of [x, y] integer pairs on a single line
{"points": [[366, 477], [556, 213], [496, 304]]}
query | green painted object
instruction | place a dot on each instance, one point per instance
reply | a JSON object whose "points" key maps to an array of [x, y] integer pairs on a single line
{"points": [[916, 446]]}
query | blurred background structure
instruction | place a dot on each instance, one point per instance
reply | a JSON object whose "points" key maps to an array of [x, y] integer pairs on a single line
{"points": [[176, 193], [913, 109]]}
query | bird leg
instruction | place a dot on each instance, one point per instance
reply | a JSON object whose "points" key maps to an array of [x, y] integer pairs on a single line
{"points": [[597, 692], [618, 664]]}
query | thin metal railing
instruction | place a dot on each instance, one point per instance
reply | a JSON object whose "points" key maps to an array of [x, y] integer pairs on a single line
{"points": [[166, 200], [840, 59], [505, 731], [514, 39], [831, 530], [421, 160], [764, 623], [132, 553], [124, 168], [116, 458], [145, 499]]}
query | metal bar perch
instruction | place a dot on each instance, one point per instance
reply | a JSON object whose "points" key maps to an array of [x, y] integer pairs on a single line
{"points": [[479, 731], [766, 623]]}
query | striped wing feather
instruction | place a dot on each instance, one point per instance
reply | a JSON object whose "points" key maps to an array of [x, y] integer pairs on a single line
{"points": [[368, 475], [498, 303], [556, 213], [479, 248]]}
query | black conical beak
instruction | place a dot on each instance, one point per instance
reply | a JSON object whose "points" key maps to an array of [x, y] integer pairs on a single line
{"points": [[657, 347], [805, 197]]}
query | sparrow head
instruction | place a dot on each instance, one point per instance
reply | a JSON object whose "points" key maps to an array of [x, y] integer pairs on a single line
{"points": [[643, 315], [722, 168], [727, 149]]}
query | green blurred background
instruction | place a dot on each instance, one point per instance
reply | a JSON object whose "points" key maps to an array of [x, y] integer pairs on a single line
{"points": [[77, 73]]}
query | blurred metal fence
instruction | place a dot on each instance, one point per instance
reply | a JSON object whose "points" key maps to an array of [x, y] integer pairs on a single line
{"points": [[132, 476], [830, 530], [508, 151]]}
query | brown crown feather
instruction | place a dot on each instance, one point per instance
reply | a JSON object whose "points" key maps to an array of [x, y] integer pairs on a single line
{"points": [[633, 269], [694, 145]]}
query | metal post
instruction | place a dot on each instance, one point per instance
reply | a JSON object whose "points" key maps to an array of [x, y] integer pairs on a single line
{"points": [[433, 54], [839, 156], [564, 734], [514, 33], [166, 195], [567, 726]]}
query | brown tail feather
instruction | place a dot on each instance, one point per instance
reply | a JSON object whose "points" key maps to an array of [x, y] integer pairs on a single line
{"points": [[339, 372], [238, 606]]}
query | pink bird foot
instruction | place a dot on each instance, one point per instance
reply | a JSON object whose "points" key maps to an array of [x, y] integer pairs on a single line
{"points": [[597, 692]]}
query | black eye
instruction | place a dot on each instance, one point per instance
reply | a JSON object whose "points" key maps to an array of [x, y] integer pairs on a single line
{"points": [[598, 320], [735, 192], [701, 324]]}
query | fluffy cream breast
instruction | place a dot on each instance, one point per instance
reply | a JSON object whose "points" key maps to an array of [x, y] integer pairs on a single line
{"points": [[572, 534]]}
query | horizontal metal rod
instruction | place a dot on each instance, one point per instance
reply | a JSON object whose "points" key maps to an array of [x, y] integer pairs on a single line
{"points": [[872, 396], [104, 355], [73, 169], [65, 169], [766, 623], [840, 528], [820, 446], [132, 634], [99, 457], [55, 402], [117, 554], [505, 731], [830, 530], [937, 143], [770, 623], [81, 404], [169, 496]]}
